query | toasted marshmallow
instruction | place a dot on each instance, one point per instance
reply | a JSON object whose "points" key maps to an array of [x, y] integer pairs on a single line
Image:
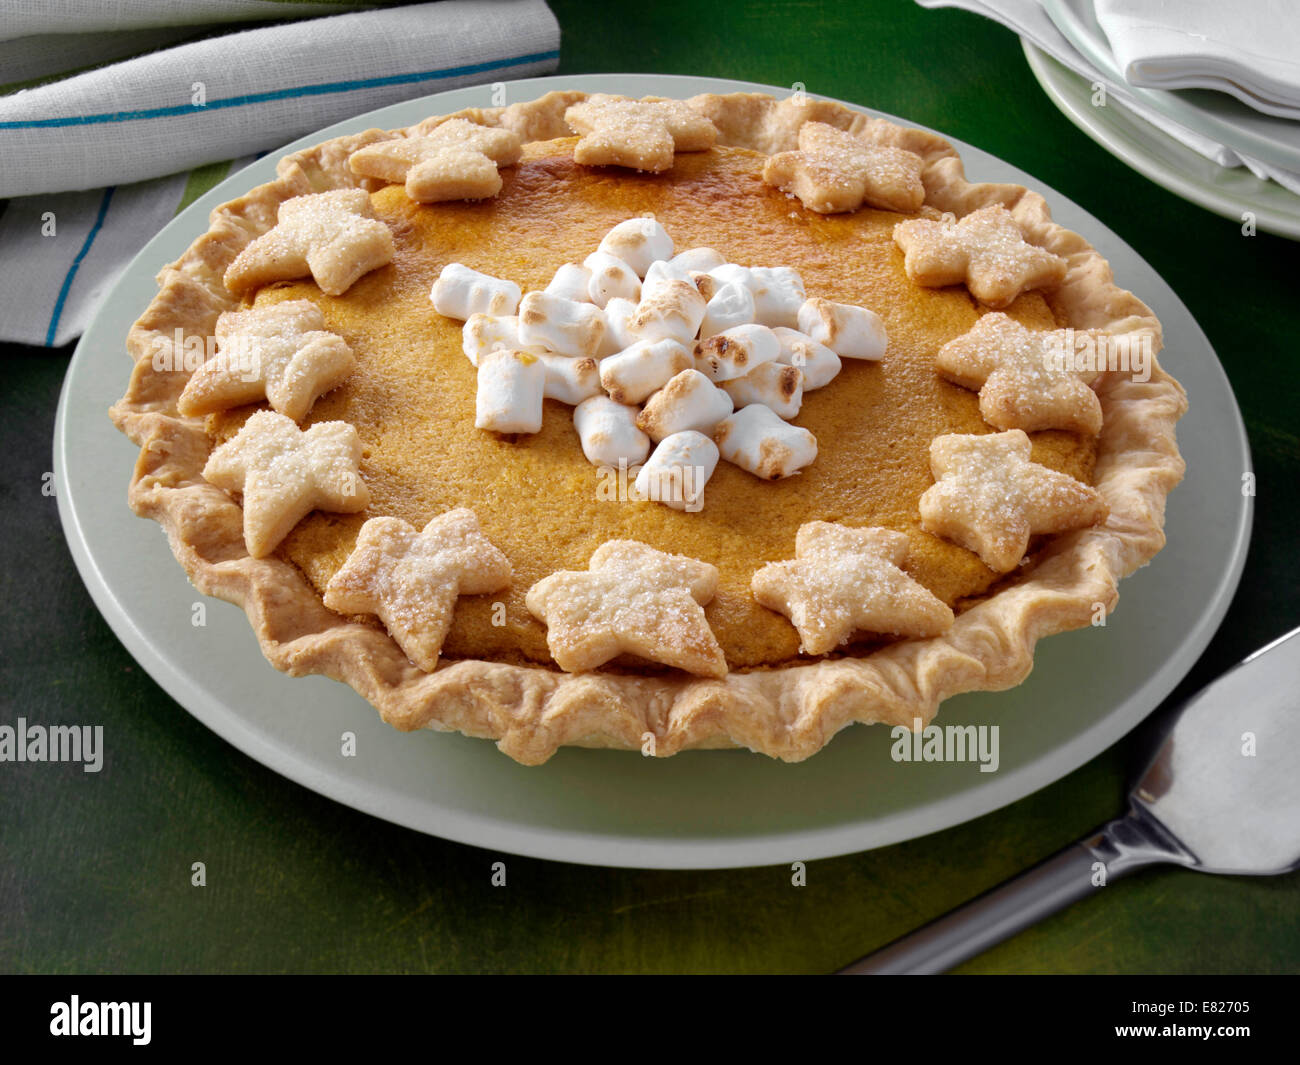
{"points": [[609, 433], [697, 259], [643, 368], [618, 313], [818, 363], [570, 380], [778, 295], [670, 309], [570, 282], [688, 401], [460, 292], [777, 290], [510, 389], [638, 242], [610, 277], [707, 285], [665, 270], [677, 472], [851, 332], [731, 305], [730, 274], [777, 387], [566, 327], [757, 440], [736, 352], [489, 332]]}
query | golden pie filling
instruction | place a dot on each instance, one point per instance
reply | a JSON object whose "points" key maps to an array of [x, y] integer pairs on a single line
{"points": [[412, 398]]}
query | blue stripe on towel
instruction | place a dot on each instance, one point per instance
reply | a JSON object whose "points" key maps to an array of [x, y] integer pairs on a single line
{"points": [[278, 94], [76, 263]]}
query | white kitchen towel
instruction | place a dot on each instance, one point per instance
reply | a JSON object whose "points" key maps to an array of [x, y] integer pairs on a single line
{"points": [[252, 91], [104, 162], [25, 17], [1028, 19], [25, 59], [1249, 48], [59, 253], [43, 37]]}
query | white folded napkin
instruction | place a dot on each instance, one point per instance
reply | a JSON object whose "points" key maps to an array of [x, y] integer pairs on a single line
{"points": [[1249, 48], [96, 163], [1028, 19]]}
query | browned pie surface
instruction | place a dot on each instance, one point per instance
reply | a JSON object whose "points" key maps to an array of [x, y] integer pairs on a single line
{"points": [[412, 396]]}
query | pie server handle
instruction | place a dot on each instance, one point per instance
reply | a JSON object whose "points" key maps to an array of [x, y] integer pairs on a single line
{"points": [[1080, 869]]}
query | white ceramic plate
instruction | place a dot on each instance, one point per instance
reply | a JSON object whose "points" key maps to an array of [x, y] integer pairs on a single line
{"points": [[1215, 114], [705, 809], [1227, 191]]}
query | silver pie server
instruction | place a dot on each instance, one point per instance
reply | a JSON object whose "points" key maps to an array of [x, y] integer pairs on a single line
{"points": [[1222, 795]]}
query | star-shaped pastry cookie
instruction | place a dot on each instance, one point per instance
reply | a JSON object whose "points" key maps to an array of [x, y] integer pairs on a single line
{"points": [[989, 498], [844, 581], [456, 160], [632, 599], [833, 171], [285, 473], [641, 134], [986, 250], [281, 353], [1026, 379], [411, 580], [333, 236]]}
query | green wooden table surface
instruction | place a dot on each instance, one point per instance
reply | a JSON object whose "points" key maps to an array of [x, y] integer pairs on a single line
{"points": [[95, 869]]}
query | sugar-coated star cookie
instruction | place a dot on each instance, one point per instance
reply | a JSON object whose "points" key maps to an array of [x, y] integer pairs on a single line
{"points": [[333, 236], [1026, 379], [844, 581], [281, 353], [632, 599], [457, 160], [641, 134], [833, 171], [990, 498], [985, 250], [285, 473], [411, 579]]}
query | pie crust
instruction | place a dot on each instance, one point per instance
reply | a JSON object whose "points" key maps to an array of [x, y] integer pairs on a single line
{"points": [[789, 712]]}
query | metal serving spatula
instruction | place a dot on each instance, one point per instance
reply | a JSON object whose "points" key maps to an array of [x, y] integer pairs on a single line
{"points": [[1221, 796]]}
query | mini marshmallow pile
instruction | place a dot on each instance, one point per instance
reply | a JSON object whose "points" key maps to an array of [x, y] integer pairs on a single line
{"points": [[703, 358]]}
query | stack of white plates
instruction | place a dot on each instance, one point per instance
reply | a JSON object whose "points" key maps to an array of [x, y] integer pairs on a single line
{"points": [[1180, 139]]}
